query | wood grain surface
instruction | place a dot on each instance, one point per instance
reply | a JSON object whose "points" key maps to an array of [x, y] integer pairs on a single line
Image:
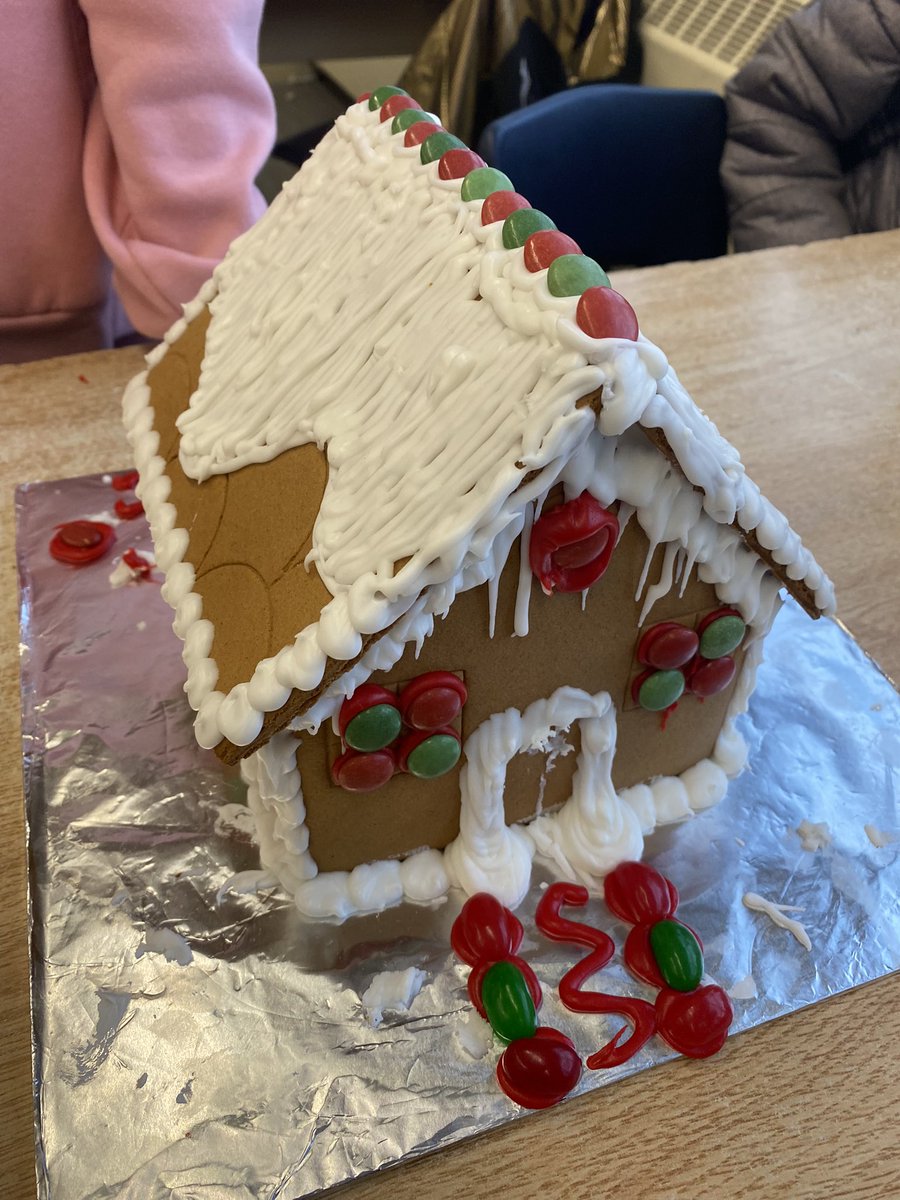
{"points": [[795, 355]]}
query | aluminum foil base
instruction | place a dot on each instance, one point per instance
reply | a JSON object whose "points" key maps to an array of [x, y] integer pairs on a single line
{"points": [[187, 1042]]}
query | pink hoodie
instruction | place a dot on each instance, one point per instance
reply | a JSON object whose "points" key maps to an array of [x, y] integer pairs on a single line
{"points": [[130, 134]]}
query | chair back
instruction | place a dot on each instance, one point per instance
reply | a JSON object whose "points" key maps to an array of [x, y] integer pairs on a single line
{"points": [[630, 172]]}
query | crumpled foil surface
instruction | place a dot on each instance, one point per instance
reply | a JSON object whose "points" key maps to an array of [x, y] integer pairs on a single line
{"points": [[189, 1040]]}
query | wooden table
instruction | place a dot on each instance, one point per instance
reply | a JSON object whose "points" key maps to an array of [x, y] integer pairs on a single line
{"points": [[795, 354]]}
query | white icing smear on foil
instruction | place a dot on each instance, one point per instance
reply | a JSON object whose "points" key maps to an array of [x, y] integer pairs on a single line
{"points": [[777, 913], [349, 317]]}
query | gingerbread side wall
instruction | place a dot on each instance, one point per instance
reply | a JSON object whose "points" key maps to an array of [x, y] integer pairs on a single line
{"points": [[590, 648]]}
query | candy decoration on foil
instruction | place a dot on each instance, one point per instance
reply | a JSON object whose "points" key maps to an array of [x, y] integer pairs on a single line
{"points": [[539, 1065], [80, 542], [664, 952], [125, 481], [571, 546], [135, 561], [639, 1013], [128, 511]]}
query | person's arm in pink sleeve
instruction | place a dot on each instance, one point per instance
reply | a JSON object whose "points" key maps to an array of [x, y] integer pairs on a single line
{"points": [[180, 125]]}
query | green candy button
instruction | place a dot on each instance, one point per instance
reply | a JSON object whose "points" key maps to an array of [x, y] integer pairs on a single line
{"points": [[480, 183], [521, 224], [660, 689], [373, 728], [508, 1003], [381, 94], [435, 756], [572, 274], [722, 636], [678, 955], [409, 116], [439, 143]]}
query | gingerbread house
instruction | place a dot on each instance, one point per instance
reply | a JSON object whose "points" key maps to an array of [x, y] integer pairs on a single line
{"points": [[463, 575]]}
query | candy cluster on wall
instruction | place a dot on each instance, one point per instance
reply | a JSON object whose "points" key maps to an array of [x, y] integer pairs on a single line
{"points": [[677, 659], [383, 733]]}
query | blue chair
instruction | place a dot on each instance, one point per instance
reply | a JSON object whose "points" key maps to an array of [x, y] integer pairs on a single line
{"points": [[630, 172]]}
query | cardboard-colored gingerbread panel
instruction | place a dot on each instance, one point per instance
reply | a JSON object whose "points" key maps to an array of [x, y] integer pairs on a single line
{"points": [[591, 648]]}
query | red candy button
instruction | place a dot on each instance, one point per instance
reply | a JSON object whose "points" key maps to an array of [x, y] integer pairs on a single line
{"points": [[603, 313], [499, 205], [433, 700], [538, 1071], [361, 99], [136, 562], [638, 894], [711, 675], [355, 771], [544, 246], [127, 481], [394, 105], [695, 1023], [571, 546], [80, 542], [667, 646], [416, 134], [456, 164]]}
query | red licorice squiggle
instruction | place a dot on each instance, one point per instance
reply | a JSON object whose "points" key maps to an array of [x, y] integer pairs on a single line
{"points": [[639, 1013]]}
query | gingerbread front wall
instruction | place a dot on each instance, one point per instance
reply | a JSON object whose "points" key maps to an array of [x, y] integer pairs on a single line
{"points": [[592, 649]]}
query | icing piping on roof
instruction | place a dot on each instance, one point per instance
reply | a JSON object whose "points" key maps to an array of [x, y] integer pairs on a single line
{"points": [[367, 362]]}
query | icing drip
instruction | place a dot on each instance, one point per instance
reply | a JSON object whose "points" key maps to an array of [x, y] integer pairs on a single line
{"points": [[776, 914]]}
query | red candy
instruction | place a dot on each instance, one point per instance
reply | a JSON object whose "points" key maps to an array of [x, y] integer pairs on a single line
{"points": [[81, 542], [603, 313], [127, 481], [455, 164], [638, 894], [638, 1012], [131, 558], [709, 676], [433, 700], [416, 134], [571, 545], [539, 1071], [363, 97], [394, 105], [546, 245], [667, 646], [484, 933], [498, 206], [694, 1023], [356, 771], [128, 512]]}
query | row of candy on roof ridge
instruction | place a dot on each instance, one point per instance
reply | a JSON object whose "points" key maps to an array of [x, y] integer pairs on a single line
{"points": [[601, 312]]}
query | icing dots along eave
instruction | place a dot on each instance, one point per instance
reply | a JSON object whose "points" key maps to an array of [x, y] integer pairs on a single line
{"points": [[517, 365]]}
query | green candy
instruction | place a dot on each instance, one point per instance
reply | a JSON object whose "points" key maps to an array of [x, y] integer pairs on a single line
{"points": [[521, 224], [409, 116], [482, 182], [660, 689], [435, 756], [439, 143], [381, 94], [572, 274], [722, 636], [508, 1003], [373, 728], [678, 955]]}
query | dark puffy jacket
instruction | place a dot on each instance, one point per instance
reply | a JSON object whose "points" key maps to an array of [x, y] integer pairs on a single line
{"points": [[813, 148]]}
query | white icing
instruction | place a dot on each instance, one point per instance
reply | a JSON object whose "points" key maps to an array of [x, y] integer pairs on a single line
{"points": [[744, 989], [391, 991], [474, 1036], [329, 325], [814, 835], [777, 914], [880, 837], [168, 943]]}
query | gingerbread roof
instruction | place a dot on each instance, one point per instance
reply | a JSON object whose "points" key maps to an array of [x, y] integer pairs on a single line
{"points": [[395, 309]]}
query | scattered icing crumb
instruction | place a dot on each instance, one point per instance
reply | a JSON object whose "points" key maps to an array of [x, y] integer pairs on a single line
{"points": [[880, 837], [474, 1036], [393, 991], [167, 942], [121, 574], [246, 883], [105, 518], [814, 836], [744, 989], [141, 626], [106, 478], [740, 841], [776, 913]]}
